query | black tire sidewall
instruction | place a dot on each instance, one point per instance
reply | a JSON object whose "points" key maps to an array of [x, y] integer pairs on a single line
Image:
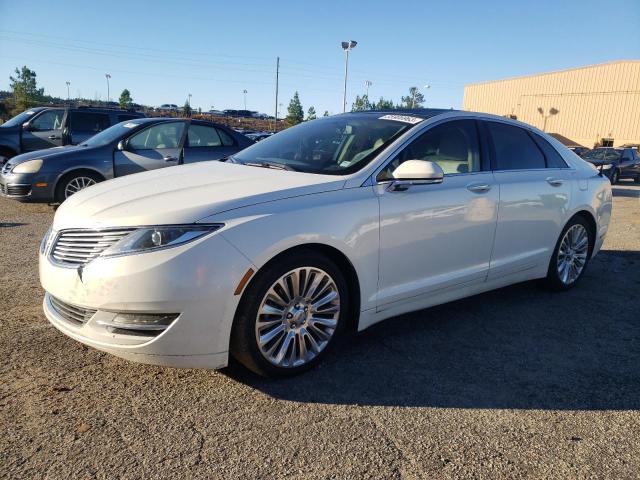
{"points": [[553, 280], [244, 347]]}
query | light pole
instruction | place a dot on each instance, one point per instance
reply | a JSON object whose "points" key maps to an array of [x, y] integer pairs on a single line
{"points": [[68, 85], [107, 76], [552, 112], [427, 86], [347, 47], [189, 99], [245, 98], [367, 84]]}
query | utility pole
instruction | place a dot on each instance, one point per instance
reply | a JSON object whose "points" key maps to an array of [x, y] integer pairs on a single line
{"points": [[245, 98], [68, 85], [275, 124], [347, 47], [367, 84], [107, 76]]}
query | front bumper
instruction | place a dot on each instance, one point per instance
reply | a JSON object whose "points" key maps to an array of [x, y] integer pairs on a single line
{"points": [[196, 280], [28, 187]]}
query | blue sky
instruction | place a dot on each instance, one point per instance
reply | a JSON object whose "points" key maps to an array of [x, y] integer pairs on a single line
{"points": [[163, 50]]}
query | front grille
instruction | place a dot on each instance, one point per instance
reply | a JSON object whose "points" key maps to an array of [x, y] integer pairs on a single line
{"points": [[79, 247], [3, 189], [71, 313]]}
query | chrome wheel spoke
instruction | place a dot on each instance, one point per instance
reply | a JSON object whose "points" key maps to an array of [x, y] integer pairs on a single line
{"points": [[298, 317], [572, 254], [77, 184]]}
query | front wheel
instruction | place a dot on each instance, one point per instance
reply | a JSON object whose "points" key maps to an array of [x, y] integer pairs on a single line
{"points": [[290, 315], [73, 183], [571, 255]]}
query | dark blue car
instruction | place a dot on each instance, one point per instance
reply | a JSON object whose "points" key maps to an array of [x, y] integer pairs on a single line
{"points": [[52, 175], [616, 163]]}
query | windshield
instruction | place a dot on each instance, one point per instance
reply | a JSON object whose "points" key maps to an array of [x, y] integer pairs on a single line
{"points": [[111, 134], [333, 146], [19, 119], [603, 154]]}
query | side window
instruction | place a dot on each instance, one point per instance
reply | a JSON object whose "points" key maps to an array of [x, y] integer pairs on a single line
{"points": [[203, 136], [227, 140], [163, 135], [554, 160], [88, 122], [514, 149], [452, 145], [49, 120]]}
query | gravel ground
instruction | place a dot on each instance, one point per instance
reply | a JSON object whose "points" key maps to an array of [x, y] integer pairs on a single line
{"points": [[514, 383]]}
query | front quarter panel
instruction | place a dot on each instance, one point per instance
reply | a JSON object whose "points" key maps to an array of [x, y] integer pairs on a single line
{"points": [[345, 219]]}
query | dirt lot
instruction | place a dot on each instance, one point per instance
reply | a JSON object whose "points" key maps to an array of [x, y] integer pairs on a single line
{"points": [[514, 383]]}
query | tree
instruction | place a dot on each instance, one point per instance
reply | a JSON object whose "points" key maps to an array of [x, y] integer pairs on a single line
{"points": [[125, 99], [326, 113], [311, 113], [415, 99], [384, 104], [186, 109], [25, 90], [361, 103], [295, 114]]}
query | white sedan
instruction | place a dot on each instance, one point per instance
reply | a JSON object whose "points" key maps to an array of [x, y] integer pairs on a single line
{"points": [[332, 225]]}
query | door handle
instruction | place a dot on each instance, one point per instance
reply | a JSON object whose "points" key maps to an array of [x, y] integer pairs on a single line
{"points": [[53, 137], [168, 158], [479, 187], [555, 182]]}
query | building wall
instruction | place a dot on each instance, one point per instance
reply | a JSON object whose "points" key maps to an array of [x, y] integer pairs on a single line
{"points": [[593, 102]]}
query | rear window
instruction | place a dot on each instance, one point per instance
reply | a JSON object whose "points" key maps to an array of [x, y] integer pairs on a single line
{"points": [[514, 148], [554, 160]]}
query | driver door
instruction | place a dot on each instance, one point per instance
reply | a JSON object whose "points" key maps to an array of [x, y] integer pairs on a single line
{"points": [[44, 131], [157, 146], [437, 237]]}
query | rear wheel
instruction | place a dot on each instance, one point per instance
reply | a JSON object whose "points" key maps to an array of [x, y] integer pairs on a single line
{"points": [[74, 182], [290, 315], [571, 255]]}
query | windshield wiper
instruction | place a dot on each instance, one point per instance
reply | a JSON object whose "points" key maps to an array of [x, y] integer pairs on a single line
{"points": [[273, 165]]}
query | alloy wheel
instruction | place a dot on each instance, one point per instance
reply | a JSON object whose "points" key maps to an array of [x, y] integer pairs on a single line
{"points": [[298, 317], [76, 184], [572, 254]]}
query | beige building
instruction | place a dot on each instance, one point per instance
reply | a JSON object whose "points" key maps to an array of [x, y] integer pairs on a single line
{"points": [[596, 104]]}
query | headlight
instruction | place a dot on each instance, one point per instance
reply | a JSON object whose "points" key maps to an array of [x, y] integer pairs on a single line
{"points": [[44, 245], [607, 166], [32, 166], [155, 238]]}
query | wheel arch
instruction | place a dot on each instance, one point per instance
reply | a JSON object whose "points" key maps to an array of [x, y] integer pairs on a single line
{"points": [[74, 170], [344, 264]]}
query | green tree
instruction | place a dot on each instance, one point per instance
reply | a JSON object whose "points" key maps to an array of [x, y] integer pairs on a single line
{"points": [[415, 99], [326, 113], [311, 113], [295, 114], [125, 100], [361, 103], [25, 90], [384, 104], [186, 109]]}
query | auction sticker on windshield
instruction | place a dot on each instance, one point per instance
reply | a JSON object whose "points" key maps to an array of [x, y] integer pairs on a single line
{"points": [[402, 118]]}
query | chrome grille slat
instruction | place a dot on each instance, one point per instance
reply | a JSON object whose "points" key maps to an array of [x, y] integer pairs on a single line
{"points": [[78, 247], [71, 313]]}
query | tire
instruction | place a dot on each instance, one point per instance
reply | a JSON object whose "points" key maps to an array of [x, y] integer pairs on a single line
{"points": [[77, 181], [570, 257], [288, 316]]}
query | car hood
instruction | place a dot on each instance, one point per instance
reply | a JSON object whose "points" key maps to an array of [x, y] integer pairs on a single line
{"points": [[184, 194], [48, 153]]}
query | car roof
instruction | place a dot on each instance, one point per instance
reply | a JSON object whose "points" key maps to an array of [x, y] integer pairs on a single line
{"points": [[423, 113], [145, 120]]}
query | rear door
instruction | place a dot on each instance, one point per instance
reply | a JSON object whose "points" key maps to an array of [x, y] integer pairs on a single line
{"points": [[157, 146], [84, 125], [44, 131], [535, 190], [206, 142]]}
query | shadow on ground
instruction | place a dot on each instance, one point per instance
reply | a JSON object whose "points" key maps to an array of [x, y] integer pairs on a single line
{"points": [[521, 347], [626, 192]]}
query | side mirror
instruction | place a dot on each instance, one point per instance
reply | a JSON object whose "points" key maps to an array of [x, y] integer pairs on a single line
{"points": [[122, 145], [416, 172], [26, 126]]}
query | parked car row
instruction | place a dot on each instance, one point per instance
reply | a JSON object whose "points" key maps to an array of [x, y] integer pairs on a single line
{"points": [[616, 163], [45, 127], [135, 145]]}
